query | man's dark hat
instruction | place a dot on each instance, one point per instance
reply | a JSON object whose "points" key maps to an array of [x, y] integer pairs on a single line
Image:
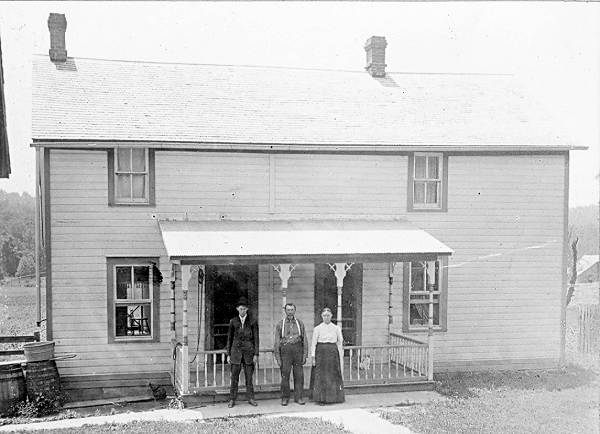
{"points": [[242, 302]]}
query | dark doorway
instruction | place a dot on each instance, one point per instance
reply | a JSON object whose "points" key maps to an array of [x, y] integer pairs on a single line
{"points": [[326, 296], [225, 284]]}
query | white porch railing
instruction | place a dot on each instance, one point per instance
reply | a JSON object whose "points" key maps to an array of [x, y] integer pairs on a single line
{"points": [[405, 360], [212, 372], [385, 363], [413, 355]]}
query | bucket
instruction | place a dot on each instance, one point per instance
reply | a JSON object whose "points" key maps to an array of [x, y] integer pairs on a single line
{"points": [[42, 378], [38, 351], [12, 387]]}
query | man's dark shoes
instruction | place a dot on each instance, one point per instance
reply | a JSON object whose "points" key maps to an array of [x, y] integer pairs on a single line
{"points": [[252, 402], [284, 401], [231, 403], [299, 401]]}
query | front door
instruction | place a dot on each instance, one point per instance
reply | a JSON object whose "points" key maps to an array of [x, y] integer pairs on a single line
{"points": [[225, 284], [326, 296]]}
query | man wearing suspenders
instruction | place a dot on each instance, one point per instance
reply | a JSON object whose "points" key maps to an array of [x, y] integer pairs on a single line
{"points": [[291, 351]]}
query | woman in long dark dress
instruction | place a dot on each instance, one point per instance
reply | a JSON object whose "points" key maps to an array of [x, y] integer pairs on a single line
{"points": [[327, 355]]}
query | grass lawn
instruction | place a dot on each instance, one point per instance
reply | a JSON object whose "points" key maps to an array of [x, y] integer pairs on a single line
{"points": [[279, 425], [17, 310], [554, 401], [18, 314]]}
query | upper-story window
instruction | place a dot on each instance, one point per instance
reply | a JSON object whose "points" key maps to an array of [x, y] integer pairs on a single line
{"points": [[427, 182], [131, 176]]}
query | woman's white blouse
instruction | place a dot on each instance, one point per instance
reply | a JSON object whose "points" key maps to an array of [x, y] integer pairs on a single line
{"points": [[326, 333]]}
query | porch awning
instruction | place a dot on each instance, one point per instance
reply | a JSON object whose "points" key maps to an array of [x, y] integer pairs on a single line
{"points": [[289, 241]]}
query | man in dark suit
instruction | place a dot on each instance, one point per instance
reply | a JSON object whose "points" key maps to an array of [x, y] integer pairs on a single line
{"points": [[242, 349]]}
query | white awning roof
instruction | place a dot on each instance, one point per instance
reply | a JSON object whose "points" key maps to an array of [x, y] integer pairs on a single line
{"points": [[298, 241]]}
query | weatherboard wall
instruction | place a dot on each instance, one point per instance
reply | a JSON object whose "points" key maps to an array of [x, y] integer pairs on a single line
{"points": [[504, 221]]}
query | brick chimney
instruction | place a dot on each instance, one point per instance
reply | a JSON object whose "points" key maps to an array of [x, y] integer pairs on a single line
{"points": [[375, 48], [57, 24]]}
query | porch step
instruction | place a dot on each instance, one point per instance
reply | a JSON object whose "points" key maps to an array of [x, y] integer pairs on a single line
{"points": [[101, 402], [203, 397]]}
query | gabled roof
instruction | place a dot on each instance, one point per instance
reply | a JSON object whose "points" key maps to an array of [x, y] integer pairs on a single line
{"points": [[96, 100]]}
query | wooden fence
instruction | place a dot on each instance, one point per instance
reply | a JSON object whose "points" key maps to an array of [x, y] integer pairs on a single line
{"points": [[588, 339]]}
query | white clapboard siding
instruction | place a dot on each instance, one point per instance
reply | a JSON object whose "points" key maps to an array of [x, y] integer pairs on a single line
{"points": [[301, 293], [212, 182], [268, 300], [340, 184], [499, 307], [84, 232], [507, 306], [375, 304]]}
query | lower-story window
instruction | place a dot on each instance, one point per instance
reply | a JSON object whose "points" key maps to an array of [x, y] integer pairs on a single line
{"points": [[421, 278], [133, 295]]}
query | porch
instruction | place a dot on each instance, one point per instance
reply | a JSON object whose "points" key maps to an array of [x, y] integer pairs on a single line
{"points": [[405, 361], [323, 266]]}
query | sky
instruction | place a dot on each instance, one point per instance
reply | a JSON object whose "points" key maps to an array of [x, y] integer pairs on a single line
{"points": [[553, 47]]}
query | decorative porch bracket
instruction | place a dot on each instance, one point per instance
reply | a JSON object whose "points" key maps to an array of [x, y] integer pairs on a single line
{"points": [[340, 269], [285, 272]]}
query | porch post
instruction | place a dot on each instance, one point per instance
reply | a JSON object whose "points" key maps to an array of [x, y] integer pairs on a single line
{"points": [[430, 336], [340, 269], [202, 289], [172, 319], [189, 278], [285, 272], [392, 268]]}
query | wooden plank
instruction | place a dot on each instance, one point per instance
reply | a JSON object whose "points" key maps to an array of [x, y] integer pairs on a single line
{"points": [[17, 339], [76, 369], [115, 378], [113, 401], [11, 352]]}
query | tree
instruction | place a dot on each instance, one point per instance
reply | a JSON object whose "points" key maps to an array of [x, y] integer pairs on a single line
{"points": [[17, 212], [9, 259], [26, 266]]}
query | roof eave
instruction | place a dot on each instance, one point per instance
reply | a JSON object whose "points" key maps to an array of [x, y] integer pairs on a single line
{"points": [[292, 147]]}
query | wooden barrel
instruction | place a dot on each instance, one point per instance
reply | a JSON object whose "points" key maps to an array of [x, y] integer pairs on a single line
{"points": [[42, 379], [12, 387]]}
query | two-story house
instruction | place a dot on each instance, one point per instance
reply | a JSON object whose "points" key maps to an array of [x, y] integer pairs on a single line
{"points": [[399, 200]]}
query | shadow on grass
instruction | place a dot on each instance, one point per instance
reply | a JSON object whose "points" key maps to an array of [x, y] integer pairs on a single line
{"points": [[465, 384]]}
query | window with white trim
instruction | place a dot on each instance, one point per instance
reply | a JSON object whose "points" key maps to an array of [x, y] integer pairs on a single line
{"points": [[133, 299], [424, 276], [131, 176], [427, 180]]}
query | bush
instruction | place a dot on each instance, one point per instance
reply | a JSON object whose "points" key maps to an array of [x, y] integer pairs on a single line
{"points": [[42, 404], [25, 409]]}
